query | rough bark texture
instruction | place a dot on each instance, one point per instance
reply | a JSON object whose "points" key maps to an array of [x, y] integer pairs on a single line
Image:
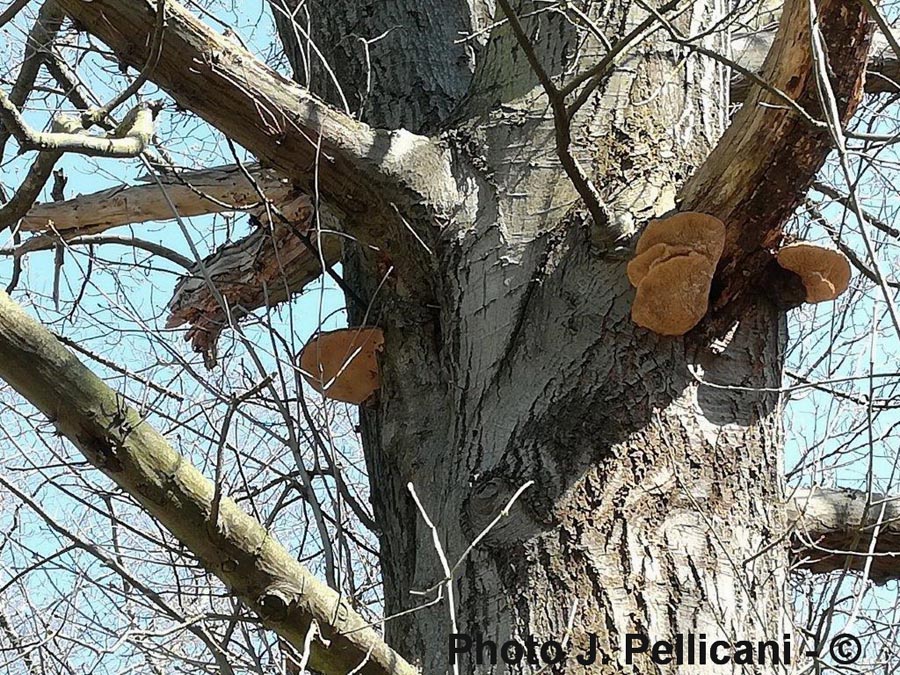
{"points": [[757, 175], [403, 63], [509, 351], [650, 488], [882, 73], [263, 269]]}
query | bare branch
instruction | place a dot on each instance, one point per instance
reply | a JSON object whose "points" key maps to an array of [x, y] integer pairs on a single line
{"points": [[40, 37], [194, 193], [129, 139], [38, 174], [273, 117], [844, 530], [844, 200], [263, 269], [7, 15], [237, 549], [750, 52], [47, 242]]}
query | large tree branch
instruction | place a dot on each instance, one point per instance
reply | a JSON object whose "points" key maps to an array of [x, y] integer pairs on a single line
{"points": [[261, 270], [392, 185], [358, 167], [843, 530], [761, 168], [236, 547]]}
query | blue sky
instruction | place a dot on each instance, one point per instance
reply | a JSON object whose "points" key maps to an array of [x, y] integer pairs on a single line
{"points": [[121, 316]]}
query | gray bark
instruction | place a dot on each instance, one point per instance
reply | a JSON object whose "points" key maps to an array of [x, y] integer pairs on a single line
{"points": [[650, 488], [235, 547], [510, 354]]}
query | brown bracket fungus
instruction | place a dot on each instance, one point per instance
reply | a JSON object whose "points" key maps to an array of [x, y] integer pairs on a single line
{"points": [[673, 267], [825, 272], [342, 364]]}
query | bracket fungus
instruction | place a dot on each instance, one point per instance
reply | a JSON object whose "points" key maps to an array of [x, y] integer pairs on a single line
{"points": [[342, 364], [825, 272], [673, 267]]}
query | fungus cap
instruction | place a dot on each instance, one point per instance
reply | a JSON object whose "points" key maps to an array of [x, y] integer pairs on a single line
{"points": [[342, 364], [640, 266], [674, 296], [673, 267], [702, 232], [825, 271]]}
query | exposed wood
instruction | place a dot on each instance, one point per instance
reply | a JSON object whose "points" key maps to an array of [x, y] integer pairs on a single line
{"points": [[883, 70], [38, 174], [192, 193], [763, 165], [237, 548], [384, 180], [263, 269], [844, 530]]}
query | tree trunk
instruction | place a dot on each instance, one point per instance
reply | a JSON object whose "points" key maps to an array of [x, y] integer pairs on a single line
{"points": [[655, 495]]}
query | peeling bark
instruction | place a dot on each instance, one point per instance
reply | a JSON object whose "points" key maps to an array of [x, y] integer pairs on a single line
{"points": [[263, 269], [192, 193], [882, 70], [655, 495]]}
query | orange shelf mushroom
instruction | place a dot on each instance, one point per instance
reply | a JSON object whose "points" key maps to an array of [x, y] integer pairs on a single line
{"points": [[825, 272], [673, 267], [342, 364]]}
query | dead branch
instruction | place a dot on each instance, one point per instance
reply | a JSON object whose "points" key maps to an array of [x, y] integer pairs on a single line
{"points": [[193, 193], [883, 70], [261, 270], [273, 117], [38, 174], [763, 165]]}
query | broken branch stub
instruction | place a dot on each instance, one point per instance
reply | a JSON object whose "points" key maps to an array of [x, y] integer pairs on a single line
{"points": [[263, 269], [825, 272], [672, 270], [342, 364]]}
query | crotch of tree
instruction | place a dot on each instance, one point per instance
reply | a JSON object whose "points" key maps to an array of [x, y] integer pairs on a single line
{"points": [[342, 364], [825, 272], [672, 270]]}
